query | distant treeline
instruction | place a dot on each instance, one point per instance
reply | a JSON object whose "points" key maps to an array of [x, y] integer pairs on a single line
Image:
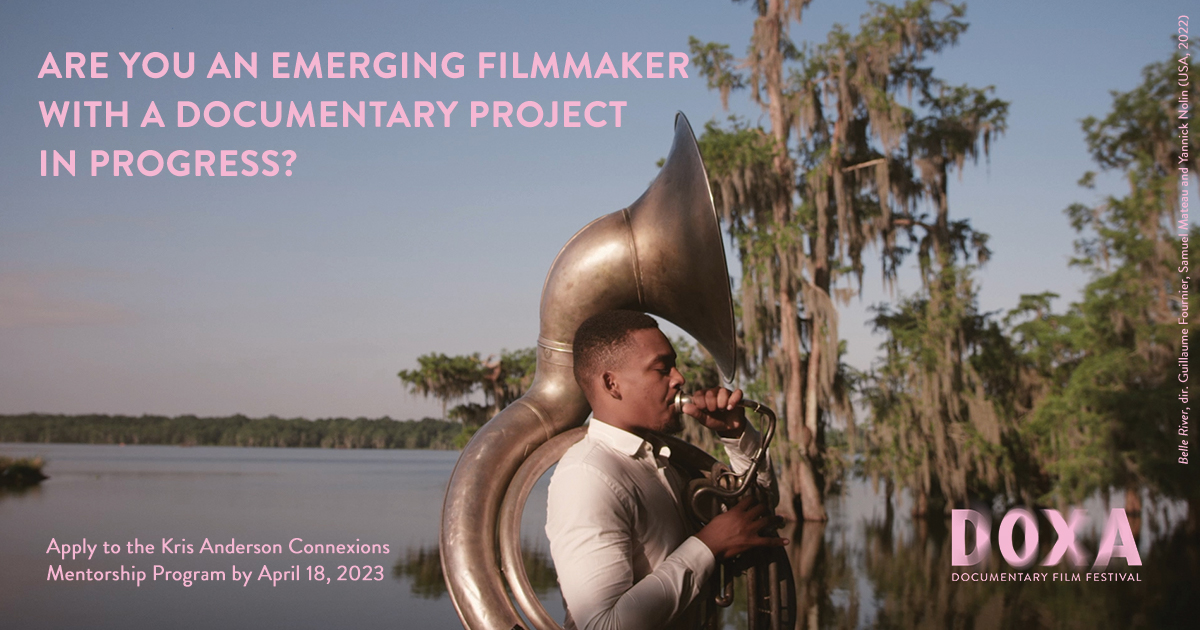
{"points": [[232, 431]]}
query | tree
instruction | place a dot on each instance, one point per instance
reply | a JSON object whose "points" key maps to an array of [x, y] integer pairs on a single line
{"points": [[1072, 403], [1110, 413], [854, 166], [446, 378], [508, 377], [936, 428], [955, 439], [443, 377]]}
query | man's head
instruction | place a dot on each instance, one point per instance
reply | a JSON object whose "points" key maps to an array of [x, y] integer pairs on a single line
{"points": [[626, 368]]}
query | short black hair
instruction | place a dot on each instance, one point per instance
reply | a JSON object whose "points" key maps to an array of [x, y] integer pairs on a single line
{"points": [[601, 340]]}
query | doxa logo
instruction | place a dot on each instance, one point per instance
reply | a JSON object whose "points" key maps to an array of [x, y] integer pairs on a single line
{"points": [[1116, 526]]}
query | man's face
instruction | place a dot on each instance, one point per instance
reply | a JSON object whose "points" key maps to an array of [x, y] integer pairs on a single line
{"points": [[648, 382]]}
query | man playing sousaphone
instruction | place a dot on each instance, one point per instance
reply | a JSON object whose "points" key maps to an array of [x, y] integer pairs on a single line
{"points": [[625, 551]]}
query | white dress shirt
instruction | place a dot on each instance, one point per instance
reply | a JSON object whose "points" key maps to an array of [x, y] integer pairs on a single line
{"points": [[619, 537]]}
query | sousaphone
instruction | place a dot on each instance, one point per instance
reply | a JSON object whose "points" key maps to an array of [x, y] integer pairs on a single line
{"points": [[662, 255]]}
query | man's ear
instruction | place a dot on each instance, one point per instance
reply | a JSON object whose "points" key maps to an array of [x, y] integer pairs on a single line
{"points": [[611, 387]]}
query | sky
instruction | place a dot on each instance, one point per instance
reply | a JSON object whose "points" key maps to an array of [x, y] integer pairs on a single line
{"points": [[303, 295]]}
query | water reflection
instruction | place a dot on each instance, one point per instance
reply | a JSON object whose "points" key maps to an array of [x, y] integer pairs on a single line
{"points": [[899, 575], [16, 491], [882, 572], [866, 570], [868, 567], [422, 566], [20, 474]]}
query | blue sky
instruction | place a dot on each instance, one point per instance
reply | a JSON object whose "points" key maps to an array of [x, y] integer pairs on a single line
{"points": [[304, 295]]}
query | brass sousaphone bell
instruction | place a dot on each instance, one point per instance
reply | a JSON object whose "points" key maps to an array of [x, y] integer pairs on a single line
{"points": [[662, 255]]}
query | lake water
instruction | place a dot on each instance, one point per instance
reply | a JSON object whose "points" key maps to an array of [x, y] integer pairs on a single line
{"points": [[862, 569]]}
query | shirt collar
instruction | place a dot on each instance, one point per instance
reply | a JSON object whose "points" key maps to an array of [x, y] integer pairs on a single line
{"points": [[623, 441], [619, 439]]}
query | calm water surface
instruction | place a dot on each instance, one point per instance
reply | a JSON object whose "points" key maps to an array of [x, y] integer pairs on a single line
{"points": [[253, 495], [863, 569]]}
